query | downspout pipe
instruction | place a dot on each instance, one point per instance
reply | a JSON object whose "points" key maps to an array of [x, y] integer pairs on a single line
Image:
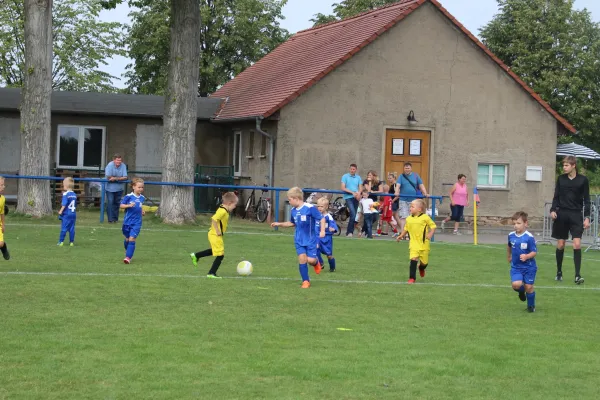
{"points": [[271, 150]]}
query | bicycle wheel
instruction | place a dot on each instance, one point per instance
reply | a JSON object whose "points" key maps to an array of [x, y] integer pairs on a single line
{"points": [[262, 211]]}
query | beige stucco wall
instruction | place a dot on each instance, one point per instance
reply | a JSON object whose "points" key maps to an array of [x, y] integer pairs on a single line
{"points": [[476, 111], [254, 162]]}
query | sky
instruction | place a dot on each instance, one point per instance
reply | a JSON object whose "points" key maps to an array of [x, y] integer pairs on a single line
{"points": [[473, 14]]}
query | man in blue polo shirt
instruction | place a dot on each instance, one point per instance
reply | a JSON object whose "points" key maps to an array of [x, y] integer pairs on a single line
{"points": [[116, 174], [351, 185], [409, 187]]}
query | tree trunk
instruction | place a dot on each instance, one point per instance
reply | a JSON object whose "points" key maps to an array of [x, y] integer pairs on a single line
{"points": [[34, 195], [180, 115]]}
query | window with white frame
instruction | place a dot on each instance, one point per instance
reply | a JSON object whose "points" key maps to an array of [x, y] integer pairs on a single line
{"points": [[237, 153], [80, 146], [492, 175]]}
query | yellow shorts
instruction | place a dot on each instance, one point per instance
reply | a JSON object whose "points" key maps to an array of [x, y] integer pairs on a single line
{"points": [[422, 255], [216, 244], [1, 235]]}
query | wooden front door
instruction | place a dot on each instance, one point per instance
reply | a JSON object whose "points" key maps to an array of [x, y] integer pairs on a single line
{"points": [[407, 146]]}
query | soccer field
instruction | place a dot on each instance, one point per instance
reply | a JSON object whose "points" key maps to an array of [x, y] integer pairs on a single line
{"points": [[78, 323]]}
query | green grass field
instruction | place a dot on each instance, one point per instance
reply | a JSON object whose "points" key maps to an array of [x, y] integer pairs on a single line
{"points": [[77, 323]]}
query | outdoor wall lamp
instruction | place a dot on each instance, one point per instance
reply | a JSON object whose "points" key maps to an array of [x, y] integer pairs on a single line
{"points": [[411, 118]]}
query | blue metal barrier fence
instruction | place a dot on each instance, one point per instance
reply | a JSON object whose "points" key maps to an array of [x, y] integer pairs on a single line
{"points": [[277, 191]]}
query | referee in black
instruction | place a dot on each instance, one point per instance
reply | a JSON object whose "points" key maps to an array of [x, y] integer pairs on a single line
{"points": [[571, 197]]}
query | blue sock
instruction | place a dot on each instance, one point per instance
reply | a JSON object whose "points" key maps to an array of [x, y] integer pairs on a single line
{"points": [[125, 244], [304, 272], [531, 299], [332, 263], [320, 258], [130, 250]]}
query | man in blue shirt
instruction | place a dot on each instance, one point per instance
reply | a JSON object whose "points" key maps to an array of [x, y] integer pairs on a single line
{"points": [[351, 185], [410, 186], [116, 173], [520, 253]]}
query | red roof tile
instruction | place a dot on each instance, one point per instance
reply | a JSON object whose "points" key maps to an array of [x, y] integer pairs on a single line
{"points": [[296, 65]]}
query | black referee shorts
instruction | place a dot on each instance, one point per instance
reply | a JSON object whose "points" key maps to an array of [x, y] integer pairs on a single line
{"points": [[568, 221]]}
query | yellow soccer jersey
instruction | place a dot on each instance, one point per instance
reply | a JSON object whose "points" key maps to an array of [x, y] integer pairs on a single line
{"points": [[418, 227], [222, 217]]}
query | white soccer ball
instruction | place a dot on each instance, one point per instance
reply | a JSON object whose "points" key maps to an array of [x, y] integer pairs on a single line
{"points": [[244, 268]]}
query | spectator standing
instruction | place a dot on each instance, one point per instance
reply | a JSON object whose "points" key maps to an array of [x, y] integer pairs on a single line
{"points": [[116, 173], [459, 199], [351, 186], [409, 186]]}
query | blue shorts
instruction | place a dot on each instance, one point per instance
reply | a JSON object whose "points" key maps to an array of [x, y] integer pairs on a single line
{"points": [[326, 246], [131, 230], [527, 275], [310, 251]]}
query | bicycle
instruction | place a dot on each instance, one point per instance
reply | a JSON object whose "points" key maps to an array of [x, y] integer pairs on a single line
{"points": [[260, 208]]}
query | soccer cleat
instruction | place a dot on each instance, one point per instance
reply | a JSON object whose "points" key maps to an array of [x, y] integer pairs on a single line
{"points": [[558, 277], [531, 309], [522, 296], [395, 234], [331, 269], [6, 254], [318, 268], [194, 259], [71, 244], [411, 281], [305, 285], [127, 260], [579, 280], [213, 276], [422, 272], [60, 244]]}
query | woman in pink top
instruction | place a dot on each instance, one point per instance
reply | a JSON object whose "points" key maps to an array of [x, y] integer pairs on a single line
{"points": [[459, 198]]}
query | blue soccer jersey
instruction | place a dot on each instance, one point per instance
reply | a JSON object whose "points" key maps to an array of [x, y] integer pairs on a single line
{"points": [[305, 219], [329, 223], [522, 244], [133, 215], [69, 202]]}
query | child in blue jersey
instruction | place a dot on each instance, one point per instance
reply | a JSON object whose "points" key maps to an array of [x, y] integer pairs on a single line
{"points": [[67, 213], [304, 216], [520, 253], [132, 223], [325, 245]]}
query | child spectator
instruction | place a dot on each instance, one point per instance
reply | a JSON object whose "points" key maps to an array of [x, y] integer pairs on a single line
{"points": [[304, 217], [218, 227], [3, 246], [67, 213], [421, 227], [368, 211], [387, 213], [132, 223], [521, 254], [325, 245]]}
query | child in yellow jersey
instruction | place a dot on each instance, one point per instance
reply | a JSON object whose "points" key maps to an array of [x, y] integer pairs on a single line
{"points": [[3, 246], [218, 227], [420, 227]]}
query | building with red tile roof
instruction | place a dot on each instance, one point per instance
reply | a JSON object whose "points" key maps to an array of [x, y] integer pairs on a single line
{"points": [[402, 83]]}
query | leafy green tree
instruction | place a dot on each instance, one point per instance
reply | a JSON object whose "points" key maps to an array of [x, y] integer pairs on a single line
{"points": [[233, 35], [555, 49], [349, 8], [81, 45]]}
